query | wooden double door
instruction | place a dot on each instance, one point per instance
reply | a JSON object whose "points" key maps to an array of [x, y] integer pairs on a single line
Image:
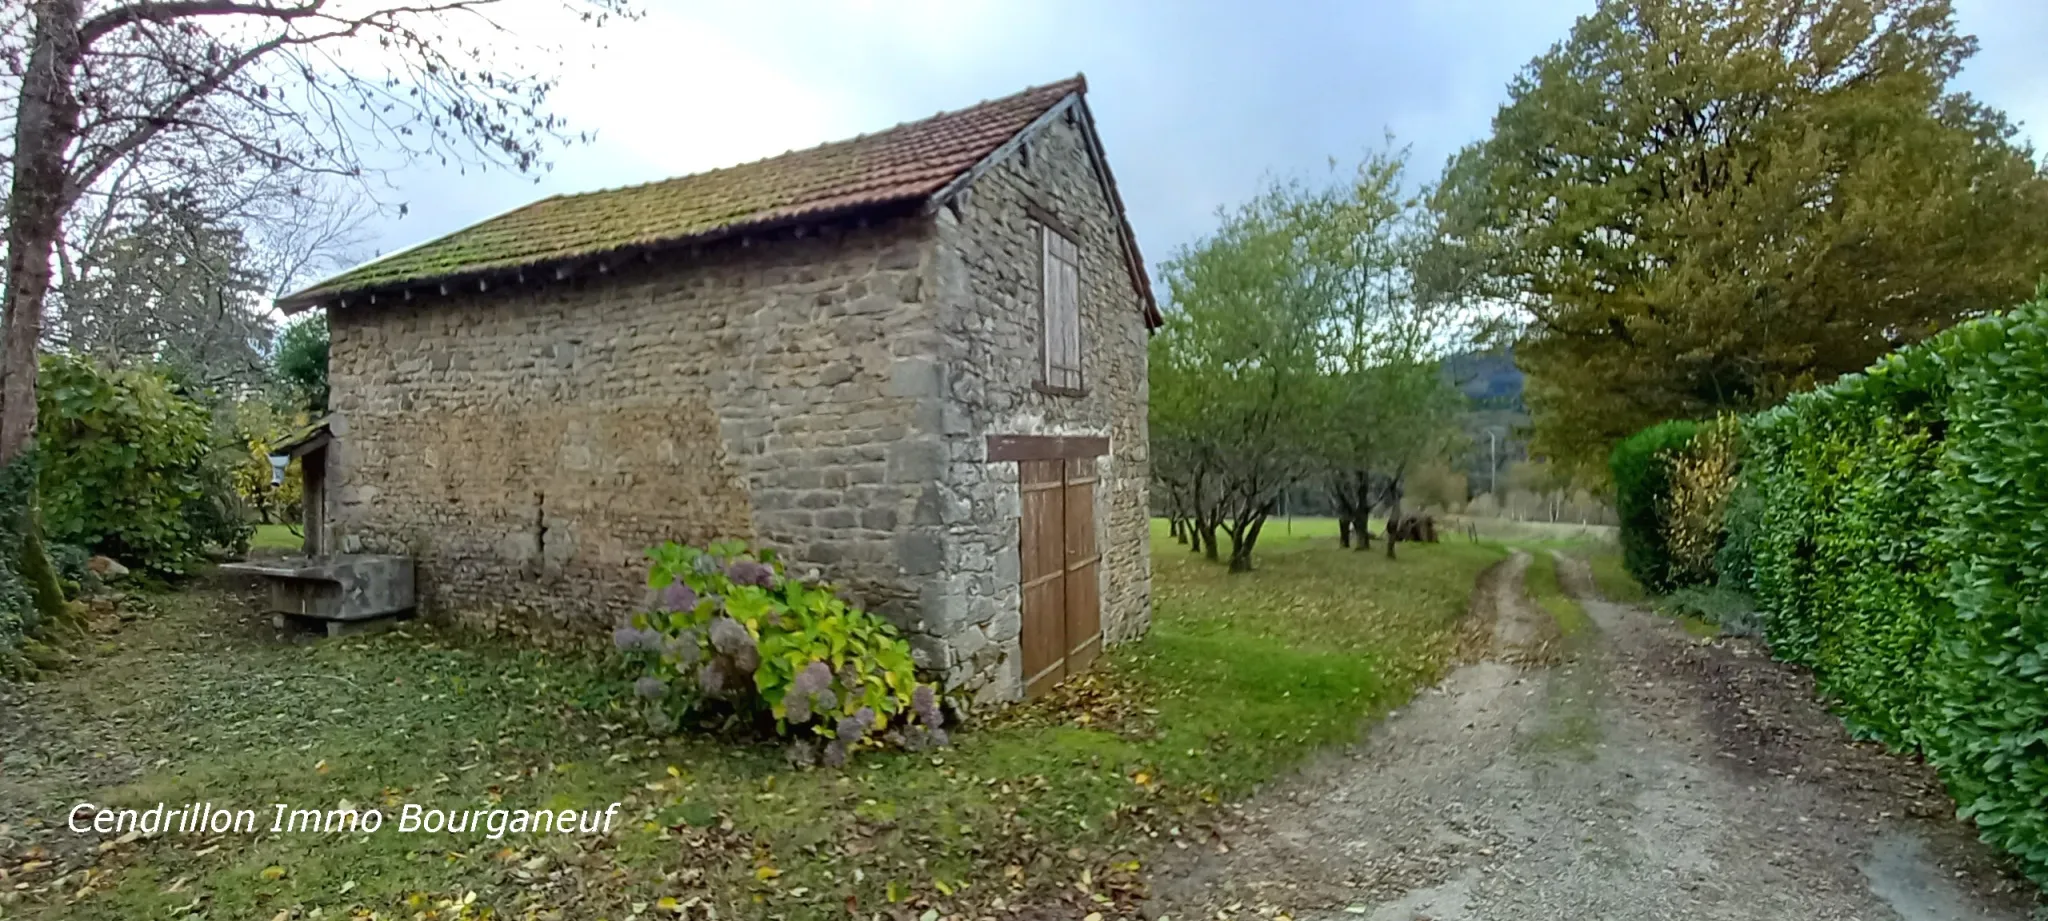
{"points": [[1061, 569]]}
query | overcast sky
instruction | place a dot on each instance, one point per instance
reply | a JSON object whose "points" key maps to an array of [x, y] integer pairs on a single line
{"points": [[1197, 100]]}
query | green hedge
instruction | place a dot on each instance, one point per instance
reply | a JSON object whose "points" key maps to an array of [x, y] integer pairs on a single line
{"points": [[1641, 480], [1900, 548]]}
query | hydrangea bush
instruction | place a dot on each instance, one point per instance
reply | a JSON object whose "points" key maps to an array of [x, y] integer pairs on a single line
{"points": [[727, 629]]}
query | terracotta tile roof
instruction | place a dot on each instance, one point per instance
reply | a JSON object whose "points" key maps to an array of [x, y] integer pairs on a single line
{"points": [[906, 163]]}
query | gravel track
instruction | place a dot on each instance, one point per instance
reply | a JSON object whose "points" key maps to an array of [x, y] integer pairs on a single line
{"points": [[1628, 772]]}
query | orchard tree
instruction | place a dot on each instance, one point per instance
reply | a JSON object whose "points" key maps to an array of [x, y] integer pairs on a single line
{"points": [[316, 86], [1233, 403], [1706, 206], [1382, 405]]}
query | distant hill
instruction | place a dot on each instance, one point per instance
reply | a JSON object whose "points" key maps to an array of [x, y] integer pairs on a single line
{"points": [[1495, 420], [1489, 379]]}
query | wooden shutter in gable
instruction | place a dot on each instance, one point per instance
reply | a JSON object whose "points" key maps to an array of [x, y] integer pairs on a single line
{"points": [[1061, 307]]}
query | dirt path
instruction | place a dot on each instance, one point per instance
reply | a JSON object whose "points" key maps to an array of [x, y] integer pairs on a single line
{"points": [[1639, 774]]}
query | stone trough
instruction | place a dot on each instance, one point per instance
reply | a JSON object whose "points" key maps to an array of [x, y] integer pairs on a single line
{"points": [[348, 592]]}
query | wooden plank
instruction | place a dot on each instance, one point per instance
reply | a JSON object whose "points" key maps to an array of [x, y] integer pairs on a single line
{"points": [[1044, 447], [1080, 522], [1044, 635], [1042, 518], [1082, 614], [1046, 472]]}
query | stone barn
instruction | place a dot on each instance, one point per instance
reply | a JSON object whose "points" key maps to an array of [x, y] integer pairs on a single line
{"points": [[914, 360]]}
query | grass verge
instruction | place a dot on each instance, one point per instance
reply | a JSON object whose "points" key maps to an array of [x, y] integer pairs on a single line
{"points": [[1541, 583], [1612, 578], [276, 537], [1572, 693], [1060, 800]]}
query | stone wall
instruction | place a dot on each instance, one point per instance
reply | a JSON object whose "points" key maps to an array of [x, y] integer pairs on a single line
{"points": [[527, 444], [830, 396], [987, 274]]}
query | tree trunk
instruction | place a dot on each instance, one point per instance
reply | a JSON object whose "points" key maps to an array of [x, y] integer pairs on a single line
{"points": [[1393, 515], [1343, 530], [1207, 540], [1244, 535], [46, 122]]}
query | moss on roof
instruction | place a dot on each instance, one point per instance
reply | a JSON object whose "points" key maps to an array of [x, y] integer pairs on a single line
{"points": [[910, 161]]}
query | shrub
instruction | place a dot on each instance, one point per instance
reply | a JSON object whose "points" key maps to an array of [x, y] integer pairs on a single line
{"points": [[1699, 478], [1741, 517], [1987, 727], [1842, 552], [1730, 609], [1640, 465], [1898, 549], [253, 426], [727, 630], [125, 465]]}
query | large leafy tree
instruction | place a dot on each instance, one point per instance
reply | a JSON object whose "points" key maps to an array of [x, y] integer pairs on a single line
{"points": [[170, 286], [315, 86], [1703, 206]]}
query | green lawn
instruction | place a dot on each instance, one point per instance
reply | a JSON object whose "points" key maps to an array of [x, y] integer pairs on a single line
{"points": [[1064, 799], [276, 537]]}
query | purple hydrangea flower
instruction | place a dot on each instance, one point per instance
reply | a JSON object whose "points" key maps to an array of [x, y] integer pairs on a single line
{"points": [[926, 703], [632, 639], [730, 636], [678, 596], [731, 639], [650, 687], [683, 647], [849, 730], [748, 572], [815, 677], [835, 754], [712, 677], [796, 708]]}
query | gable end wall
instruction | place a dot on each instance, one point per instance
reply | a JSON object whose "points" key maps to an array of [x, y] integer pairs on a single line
{"points": [[988, 276]]}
